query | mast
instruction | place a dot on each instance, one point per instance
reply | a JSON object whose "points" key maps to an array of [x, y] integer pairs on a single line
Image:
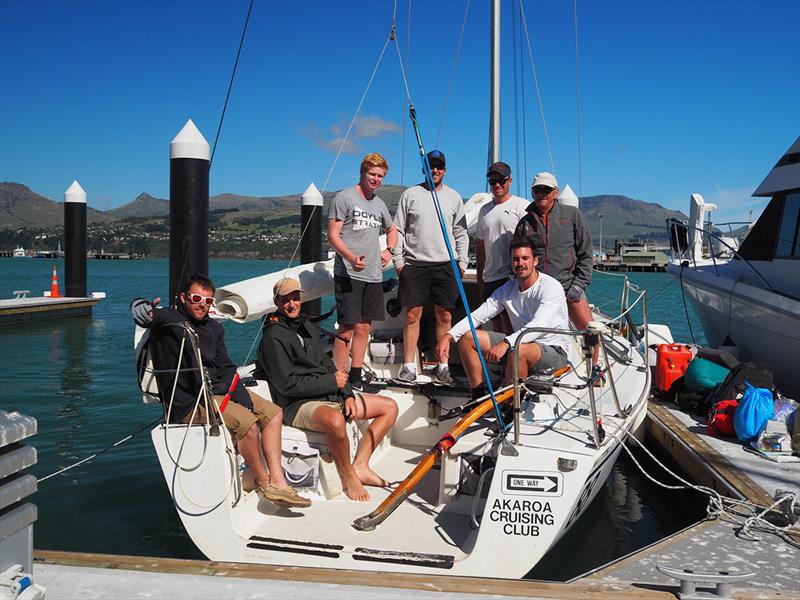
{"points": [[494, 103]]}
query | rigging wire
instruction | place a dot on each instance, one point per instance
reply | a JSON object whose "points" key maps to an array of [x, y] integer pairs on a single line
{"points": [[452, 74], [426, 168], [516, 93], [96, 454], [524, 120], [538, 91], [405, 102], [578, 96], [230, 85], [330, 173]]}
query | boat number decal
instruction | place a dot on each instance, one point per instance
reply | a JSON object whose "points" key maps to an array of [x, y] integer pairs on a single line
{"points": [[585, 495], [533, 483]]}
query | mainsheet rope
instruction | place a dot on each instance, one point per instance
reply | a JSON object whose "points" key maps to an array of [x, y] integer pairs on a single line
{"points": [[426, 167]]}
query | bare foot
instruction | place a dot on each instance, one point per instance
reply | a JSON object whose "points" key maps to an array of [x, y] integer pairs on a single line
{"points": [[353, 489], [369, 477]]}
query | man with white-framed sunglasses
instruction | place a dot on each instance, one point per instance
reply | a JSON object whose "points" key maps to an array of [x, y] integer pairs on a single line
{"points": [[245, 414]]}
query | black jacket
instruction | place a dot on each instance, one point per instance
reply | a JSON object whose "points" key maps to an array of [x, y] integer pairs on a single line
{"points": [[165, 342], [563, 244], [291, 359]]}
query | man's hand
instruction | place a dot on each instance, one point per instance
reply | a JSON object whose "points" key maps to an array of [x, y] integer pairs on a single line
{"points": [[142, 311], [443, 348], [358, 263], [349, 408], [498, 351], [341, 379], [386, 257], [574, 294]]}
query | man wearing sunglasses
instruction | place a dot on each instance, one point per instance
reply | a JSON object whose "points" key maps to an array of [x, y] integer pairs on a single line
{"points": [[496, 222], [423, 263], [245, 415], [563, 245]]}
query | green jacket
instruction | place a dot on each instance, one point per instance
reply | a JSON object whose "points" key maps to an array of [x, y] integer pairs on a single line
{"points": [[297, 371]]}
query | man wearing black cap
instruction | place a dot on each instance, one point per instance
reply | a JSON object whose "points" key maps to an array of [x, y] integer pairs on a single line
{"points": [[422, 260], [496, 223]]}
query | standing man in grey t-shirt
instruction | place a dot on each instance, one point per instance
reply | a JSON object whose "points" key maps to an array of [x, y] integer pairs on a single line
{"points": [[423, 262], [355, 220]]}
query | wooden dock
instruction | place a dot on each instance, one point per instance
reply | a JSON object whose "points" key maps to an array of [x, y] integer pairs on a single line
{"points": [[15, 310], [710, 545]]}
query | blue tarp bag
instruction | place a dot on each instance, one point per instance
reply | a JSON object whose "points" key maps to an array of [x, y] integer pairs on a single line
{"points": [[754, 410]]}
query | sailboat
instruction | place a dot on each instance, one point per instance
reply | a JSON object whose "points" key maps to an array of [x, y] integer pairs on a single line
{"points": [[473, 499]]}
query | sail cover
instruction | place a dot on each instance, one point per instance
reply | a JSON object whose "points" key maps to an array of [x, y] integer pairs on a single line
{"points": [[252, 298]]}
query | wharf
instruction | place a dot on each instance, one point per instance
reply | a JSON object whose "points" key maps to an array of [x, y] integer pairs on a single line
{"points": [[14, 310], [711, 545]]}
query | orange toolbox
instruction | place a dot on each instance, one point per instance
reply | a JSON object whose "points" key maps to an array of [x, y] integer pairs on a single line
{"points": [[671, 363]]}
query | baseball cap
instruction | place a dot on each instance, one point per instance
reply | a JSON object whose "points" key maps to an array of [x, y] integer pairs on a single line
{"points": [[437, 157], [500, 168], [545, 178], [286, 286]]}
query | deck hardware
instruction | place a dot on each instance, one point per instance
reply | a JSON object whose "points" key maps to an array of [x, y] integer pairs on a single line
{"points": [[474, 520], [689, 580], [565, 465]]}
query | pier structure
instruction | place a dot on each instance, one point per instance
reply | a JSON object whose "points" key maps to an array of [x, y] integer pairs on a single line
{"points": [[75, 241], [189, 164], [712, 550], [311, 242]]}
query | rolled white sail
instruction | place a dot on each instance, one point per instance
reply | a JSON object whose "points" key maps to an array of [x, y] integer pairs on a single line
{"points": [[252, 298]]}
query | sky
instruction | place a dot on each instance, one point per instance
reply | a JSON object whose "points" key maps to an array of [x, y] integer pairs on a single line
{"points": [[675, 97]]}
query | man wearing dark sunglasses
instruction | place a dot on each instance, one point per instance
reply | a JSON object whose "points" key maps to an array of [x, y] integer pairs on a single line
{"points": [[245, 415], [423, 263], [496, 222]]}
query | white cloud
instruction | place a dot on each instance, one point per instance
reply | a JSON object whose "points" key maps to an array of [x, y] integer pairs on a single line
{"points": [[735, 204], [364, 128]]}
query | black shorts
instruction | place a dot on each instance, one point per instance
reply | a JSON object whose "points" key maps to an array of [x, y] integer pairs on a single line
{"points": [[434, 281], [490, 286], [358, 301]]}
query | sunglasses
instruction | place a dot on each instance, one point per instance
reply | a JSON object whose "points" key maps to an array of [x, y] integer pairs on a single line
{"points": [[541, 189], [497, 181], [198, 299]]}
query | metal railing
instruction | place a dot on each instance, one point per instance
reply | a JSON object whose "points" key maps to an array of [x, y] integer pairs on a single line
{"points": [[678, 230], [593, 335]]}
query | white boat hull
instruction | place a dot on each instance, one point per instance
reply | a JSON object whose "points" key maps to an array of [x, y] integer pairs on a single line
{"points": [[533, 499], [762, 324]]}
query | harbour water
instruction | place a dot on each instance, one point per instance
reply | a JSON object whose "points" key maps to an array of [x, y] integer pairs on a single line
{"points": [[77, 377]]}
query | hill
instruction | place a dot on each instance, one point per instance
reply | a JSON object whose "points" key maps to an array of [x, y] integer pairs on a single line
{"points": [[625, 217], [22, 208], [144, 205]]}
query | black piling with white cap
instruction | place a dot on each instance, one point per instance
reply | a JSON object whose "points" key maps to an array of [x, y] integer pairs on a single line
{"points": [[75, 241], [311, 243], [189, 162]]}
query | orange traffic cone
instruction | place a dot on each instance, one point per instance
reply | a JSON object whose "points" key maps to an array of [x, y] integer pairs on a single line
{"points": [[54, 285]]}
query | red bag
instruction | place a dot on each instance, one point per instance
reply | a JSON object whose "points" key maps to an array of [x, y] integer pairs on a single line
{"points": [[720, 418]]}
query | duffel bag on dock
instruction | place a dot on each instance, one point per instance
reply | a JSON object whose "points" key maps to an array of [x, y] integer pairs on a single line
{"points": [[703, 375]]}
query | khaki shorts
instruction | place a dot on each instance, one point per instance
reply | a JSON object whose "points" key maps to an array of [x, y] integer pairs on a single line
{"points": [[239, 419], [302, 420]]}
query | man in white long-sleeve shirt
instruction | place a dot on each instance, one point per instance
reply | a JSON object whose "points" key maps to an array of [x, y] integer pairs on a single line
{"points": [[423, 263], [532, 299]]}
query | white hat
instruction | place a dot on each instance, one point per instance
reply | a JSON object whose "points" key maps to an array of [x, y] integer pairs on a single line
{"points": [[545, 178]]}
